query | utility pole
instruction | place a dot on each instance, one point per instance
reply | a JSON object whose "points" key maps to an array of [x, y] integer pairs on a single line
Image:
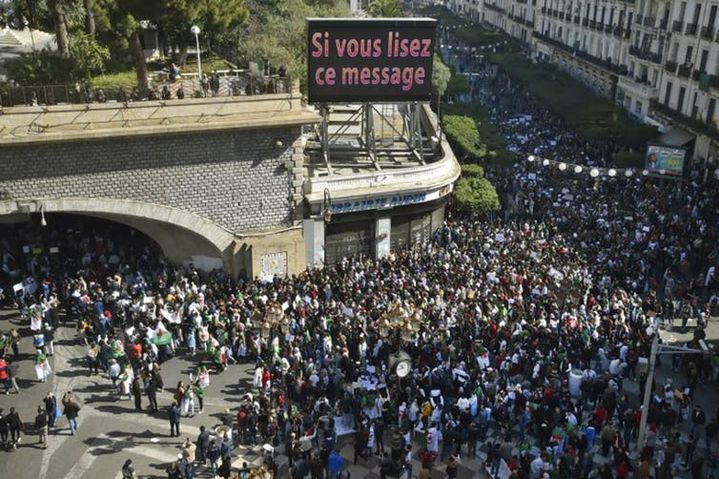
{"points": [[648, 392]]}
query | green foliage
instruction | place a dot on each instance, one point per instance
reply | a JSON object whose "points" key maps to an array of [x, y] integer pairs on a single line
{"points": [[472, 170], [40, 68], [492, 144], [385, 8], [628, 159], [594, 117], [441, 75], [87, 55], [276, 31], [462, 133], [457, 85], [476, 195]]}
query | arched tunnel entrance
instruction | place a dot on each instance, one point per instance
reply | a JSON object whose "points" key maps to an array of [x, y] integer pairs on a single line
{"points": [[183, 237], [59, 244]]}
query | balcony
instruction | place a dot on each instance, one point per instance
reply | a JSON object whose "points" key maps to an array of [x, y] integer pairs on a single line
{"points": [[617, 31], [637, 87], [649, 21], [645, 55], [495, 7], [677, 26], [592, 24], [695, 75], [707, 33], [691, 29], [576, 19], [671, 67], [608, 28], [601, 63], [684, 71], [544, 10], [663, 23], [561, 15], [585, 22], [693, 124], [529, 23], [639, 19]]}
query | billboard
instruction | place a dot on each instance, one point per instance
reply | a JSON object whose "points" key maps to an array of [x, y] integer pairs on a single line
{"points": [[369, 60], [666, 160]]}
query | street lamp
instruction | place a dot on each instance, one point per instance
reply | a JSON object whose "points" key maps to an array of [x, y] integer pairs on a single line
{"points": [[196, 31]]}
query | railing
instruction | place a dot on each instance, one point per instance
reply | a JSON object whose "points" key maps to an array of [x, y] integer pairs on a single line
{"points": [[561, 15], [707, 32], [663, 23], [649, 21], [671, 67], [576, 19], [608, 28], [639, 19], [544, 10], [592, 23], [695, 75], [529, 23], [618, 30], [677, 26], [645, 55], [699, 126], [235, 83], [585, 22], [691, 29], [606, 64], [684, 71]]}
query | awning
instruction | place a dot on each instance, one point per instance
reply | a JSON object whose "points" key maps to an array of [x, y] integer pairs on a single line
{"points": [[676, 136]]}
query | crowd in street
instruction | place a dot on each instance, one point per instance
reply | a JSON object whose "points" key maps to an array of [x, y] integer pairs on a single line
{"points": [[531, 325]]}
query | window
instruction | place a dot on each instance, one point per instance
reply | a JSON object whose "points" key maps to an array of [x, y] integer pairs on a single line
{"points": [[697, 11], [668, 93], [710, 111], [682, 11], [703, 61], [680, 100], [688, 56], [695, 106], [638, 107]]}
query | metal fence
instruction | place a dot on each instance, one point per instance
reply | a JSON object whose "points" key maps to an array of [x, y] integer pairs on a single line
{"points": [[231, 83]]}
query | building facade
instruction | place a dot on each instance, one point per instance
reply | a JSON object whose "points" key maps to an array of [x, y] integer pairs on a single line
{"points": [[658, 59]]}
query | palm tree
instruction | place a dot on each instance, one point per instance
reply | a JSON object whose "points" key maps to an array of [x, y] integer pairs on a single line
{"points": [[385, 8]]}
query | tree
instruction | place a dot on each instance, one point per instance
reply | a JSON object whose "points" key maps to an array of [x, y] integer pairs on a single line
{"points": [[88, 55], [385, 8], [440, 76], [89, 17], [61, 35], [476, 195], [472, 170], [463, 133]]}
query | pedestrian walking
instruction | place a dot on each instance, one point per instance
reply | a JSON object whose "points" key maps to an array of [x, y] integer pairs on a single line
{"points": [[50, 402], [71, 407], [203, 445], [14, 426], [128, 470], [41, 427], [174, 415]]}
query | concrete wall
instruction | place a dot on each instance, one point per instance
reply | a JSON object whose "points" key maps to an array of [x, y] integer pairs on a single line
{"points": [[238, 180]]}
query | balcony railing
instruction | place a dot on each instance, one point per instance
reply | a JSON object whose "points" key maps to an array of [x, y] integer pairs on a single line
{"points": [[618, 30], [544, 10], [707, 32], [231, 84], [684, 71], [671, 67], [663, 23], [592, 23], [585, 22], [645, 55], [608, 28], [576, 19], [639, 19], [691, 29], [561, 15], [607, 65], [649, 21], [706, 127], [677, 26]]}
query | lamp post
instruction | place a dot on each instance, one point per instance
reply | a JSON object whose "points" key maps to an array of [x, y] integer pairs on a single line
{"points": [[196, 31]]}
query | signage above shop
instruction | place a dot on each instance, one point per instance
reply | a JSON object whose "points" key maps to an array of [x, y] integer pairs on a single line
{"points": [[370, 60], [389, 201]]}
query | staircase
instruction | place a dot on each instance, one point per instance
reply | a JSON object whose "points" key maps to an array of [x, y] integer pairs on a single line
{"points": [[7, 39]]}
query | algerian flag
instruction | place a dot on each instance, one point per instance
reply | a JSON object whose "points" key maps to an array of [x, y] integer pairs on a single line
{"points": [[162, 338]]}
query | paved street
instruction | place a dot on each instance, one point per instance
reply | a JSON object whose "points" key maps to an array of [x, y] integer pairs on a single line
{"points": [[111, 432]]}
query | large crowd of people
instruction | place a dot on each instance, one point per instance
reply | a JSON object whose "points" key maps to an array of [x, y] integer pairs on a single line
{"points": [[530, 326]]}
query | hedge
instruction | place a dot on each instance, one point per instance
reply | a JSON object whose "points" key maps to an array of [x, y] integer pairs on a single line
{"points": [[493, 144], [463, 134], [477, 195], [472, 170]]}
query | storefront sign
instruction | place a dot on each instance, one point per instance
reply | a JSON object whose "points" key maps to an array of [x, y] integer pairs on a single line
{"points": [[390, 201], [365, 60]]}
